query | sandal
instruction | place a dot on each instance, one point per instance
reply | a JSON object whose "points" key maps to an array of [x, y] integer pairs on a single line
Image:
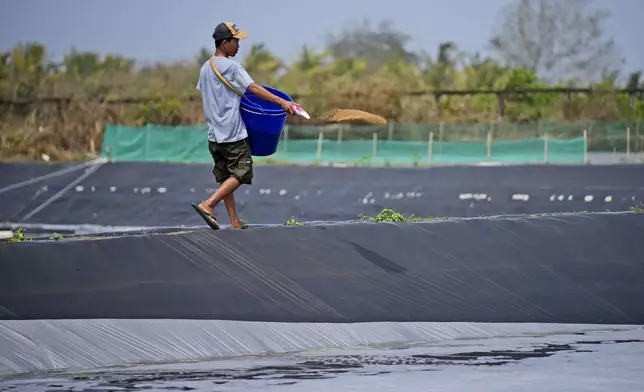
{"points": [[208, 217]]}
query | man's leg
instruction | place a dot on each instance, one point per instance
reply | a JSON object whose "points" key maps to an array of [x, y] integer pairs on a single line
{"points": [[229, 202], [222, 175], [238, 168], [225, 190]]}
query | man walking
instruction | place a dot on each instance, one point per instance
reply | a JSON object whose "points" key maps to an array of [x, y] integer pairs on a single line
{"points": [[227, 135]]}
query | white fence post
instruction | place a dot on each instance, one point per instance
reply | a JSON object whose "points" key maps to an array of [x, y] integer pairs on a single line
{"points": [[441, 129], [628, 142], [374, 145], [285, 140], [489, 145], [430, 147], [585, 146], [320, 138], [545, 148], [147, 140]]}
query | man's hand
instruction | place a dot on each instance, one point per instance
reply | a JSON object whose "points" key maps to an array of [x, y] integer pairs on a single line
{"points": [[261, 92], [288, 107]]}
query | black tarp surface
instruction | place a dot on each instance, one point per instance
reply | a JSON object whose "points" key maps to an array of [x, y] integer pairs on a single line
{"points": [[557, 269], [158, 194]]}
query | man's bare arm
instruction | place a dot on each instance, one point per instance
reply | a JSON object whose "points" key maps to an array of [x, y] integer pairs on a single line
{"points": [[266, 95]]}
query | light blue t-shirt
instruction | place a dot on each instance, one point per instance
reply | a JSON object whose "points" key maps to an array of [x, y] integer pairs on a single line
{"points": [[220, 103]]}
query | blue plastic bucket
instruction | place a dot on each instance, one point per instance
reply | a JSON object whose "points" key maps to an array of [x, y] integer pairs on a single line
{"points": [[264, 122]]}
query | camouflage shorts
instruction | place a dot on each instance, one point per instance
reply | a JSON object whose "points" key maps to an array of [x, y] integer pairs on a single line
{"points": [[232, 159]]}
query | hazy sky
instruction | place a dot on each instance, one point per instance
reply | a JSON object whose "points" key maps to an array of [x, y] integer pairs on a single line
{"points": [[175, 29]]}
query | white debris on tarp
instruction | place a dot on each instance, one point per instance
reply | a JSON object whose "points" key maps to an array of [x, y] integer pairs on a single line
{"points": [[38, 345]]}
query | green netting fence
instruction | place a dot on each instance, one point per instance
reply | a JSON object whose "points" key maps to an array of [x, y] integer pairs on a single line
{"points": [[395, 143]]}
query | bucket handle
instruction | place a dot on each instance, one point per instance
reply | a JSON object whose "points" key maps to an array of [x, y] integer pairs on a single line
{"points": [[256, 105], [227, 83]]}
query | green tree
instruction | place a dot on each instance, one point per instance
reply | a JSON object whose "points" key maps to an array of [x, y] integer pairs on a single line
{"points": [[376, 45], [440, 72], [25, 68]]}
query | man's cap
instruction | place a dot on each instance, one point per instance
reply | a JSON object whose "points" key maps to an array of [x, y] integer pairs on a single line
{"points": [[226, 30]]}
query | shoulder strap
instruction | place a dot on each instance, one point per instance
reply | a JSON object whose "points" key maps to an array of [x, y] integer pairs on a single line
{"points": [[221, 77]]}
